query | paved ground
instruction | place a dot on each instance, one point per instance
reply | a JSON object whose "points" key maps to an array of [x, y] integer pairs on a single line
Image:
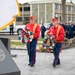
{"points": [[7, 35], [44, 63]]}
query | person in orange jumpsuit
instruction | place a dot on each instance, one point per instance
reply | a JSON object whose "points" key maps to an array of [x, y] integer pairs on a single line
{"points": [[58, 32], [31, 46]]}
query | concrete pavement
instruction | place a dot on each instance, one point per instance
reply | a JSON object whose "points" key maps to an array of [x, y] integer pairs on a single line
{"points": [[43, 64]]}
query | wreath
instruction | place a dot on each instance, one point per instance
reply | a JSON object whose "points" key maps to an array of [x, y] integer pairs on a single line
{"points": [[48, 44], [25, 36]]}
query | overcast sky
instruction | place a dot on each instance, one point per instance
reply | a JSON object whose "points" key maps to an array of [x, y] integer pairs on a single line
{"points": [[23, 1]]}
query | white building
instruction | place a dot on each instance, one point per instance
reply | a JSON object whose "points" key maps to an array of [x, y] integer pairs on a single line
{"points": [[45, 10]]}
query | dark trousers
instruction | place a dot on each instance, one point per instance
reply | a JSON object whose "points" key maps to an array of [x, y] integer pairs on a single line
{"points": [[57, 52], [70, 35], [42, 34], [11, 31], [31, 47]]}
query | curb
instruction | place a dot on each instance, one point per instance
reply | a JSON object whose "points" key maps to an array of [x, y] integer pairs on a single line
{"points": [[20, 41], [24, 49]]}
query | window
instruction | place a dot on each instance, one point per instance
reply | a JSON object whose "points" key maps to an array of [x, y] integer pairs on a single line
{"points": [[69, 19], [26, 8], [73, 8], [60, 7], [19, 19], [20, 8], [69, 8], [56, 15], [66, 8], [72, 18], [26, 18], [56, 6]]}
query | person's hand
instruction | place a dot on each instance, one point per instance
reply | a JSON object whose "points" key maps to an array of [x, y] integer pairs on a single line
{"points": [[55, 40], [50, 34], [31, 36], [46, 32]]}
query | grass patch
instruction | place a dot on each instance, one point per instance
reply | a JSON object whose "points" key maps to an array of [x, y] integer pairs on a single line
{"points": [[17, 43], [40, 39], [20, 43], [38, 44]]}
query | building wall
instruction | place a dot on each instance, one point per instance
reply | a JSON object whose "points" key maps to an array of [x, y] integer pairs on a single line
{"points": [[46, 10], [35, 11], [49, 13], [70, 12], [25, 14], [42, 12]]}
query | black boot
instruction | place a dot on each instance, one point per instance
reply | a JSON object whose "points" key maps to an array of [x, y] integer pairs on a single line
{"points": [[54, 64], [58, 63], [31, 65]]}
